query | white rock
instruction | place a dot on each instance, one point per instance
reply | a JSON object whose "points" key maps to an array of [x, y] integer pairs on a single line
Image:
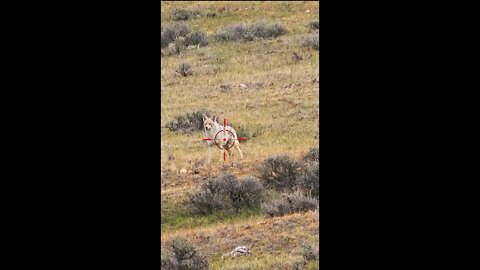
{"points": [[183, 171], [239, 251]]}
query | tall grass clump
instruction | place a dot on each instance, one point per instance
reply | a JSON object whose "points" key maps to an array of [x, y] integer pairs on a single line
{"points": [[182, 255], [226, 193], [184, 69]]}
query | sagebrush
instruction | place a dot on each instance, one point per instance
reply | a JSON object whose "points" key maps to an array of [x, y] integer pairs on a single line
{"points": [[243, 32], [196, 38], [190, 122], [226, 193], [181, 14], [290, 203], [172, 33], [279, 172], [181, 255], [309, 179], [315, 25], [313, 154], [310, 252], [184, 69], [311, 42]]}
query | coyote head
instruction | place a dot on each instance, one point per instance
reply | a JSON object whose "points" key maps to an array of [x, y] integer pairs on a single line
{"points": [[208, 123]]}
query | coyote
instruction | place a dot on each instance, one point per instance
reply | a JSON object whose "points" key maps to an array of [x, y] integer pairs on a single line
{"points": [[223, 139]]}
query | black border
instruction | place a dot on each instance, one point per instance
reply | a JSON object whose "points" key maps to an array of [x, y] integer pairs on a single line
{"points": [[90, 182]]}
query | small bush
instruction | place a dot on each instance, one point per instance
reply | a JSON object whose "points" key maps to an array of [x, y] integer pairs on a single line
{"points": [[234, 33], [265, 29], [225, 193], [174, 48], [309, 180], [310, 253], [181, 14], [315, 25], [249, 194], [211, 14], [244, 132], [171, 34], [188, 123], [299, 265], [311, 42], [196, 38], [182, 255], [243, 32], [290, 203], [278, 172], [184, 70], [167, 37], [313, 154], [204, 202], [181, 30], [278, 207]]}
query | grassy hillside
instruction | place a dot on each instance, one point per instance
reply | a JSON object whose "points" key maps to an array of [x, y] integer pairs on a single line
{"points": [[258, 86]]}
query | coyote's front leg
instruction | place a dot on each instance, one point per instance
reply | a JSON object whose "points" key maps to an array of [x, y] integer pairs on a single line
{"points": [[209, 150]]}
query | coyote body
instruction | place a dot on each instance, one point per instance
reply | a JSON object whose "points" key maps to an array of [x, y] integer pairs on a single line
{"points": [[218, 136]]}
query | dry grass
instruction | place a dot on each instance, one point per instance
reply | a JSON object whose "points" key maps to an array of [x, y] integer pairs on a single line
{"points": [[276, 241], [284, 110]]}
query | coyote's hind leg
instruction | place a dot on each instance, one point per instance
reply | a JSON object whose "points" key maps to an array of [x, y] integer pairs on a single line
{"points": [[237, 146]]}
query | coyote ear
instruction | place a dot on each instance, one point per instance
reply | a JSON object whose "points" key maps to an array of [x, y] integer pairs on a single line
{"points": [[215, 119], [204, 117]]}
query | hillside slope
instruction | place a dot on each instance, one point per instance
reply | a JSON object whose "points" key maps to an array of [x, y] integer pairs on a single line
{"points": [[260, 87]]}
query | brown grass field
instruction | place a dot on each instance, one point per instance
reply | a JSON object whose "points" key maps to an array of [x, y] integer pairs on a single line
{"points": [[280, 104]]}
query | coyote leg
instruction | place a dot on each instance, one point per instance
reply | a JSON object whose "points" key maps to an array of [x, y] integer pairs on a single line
{"points": [[237, 146], [209, 160]]}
